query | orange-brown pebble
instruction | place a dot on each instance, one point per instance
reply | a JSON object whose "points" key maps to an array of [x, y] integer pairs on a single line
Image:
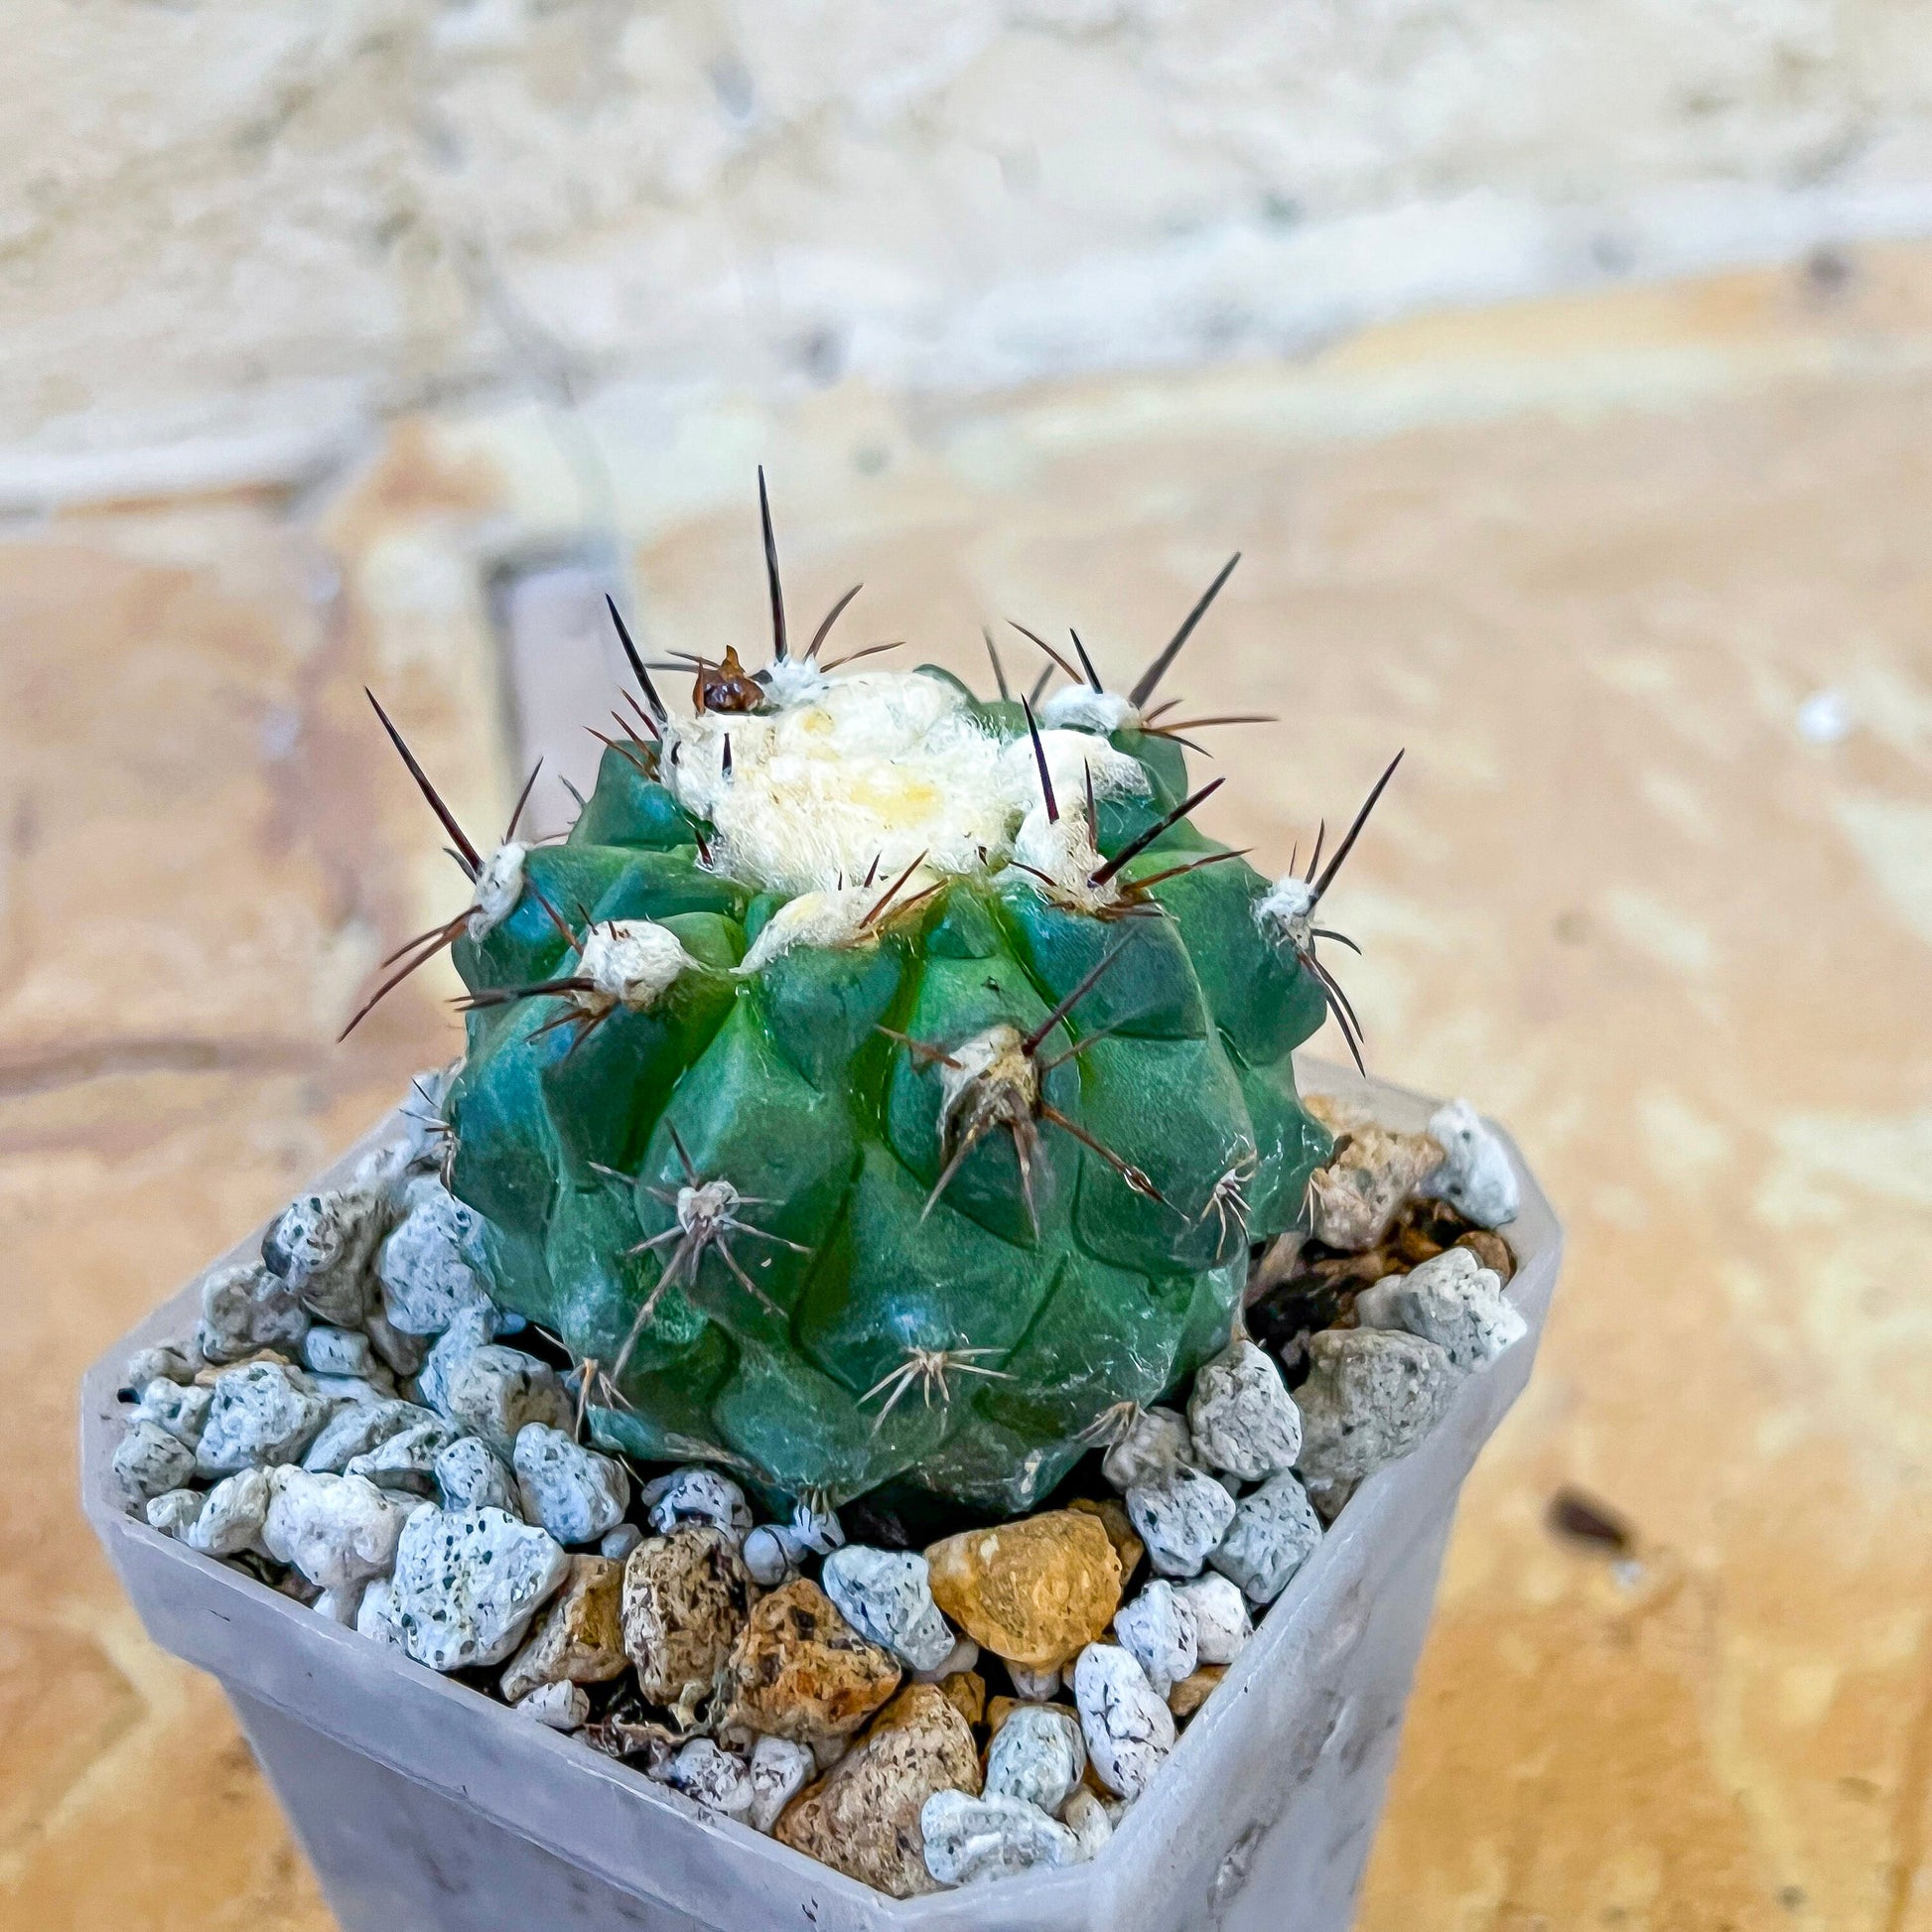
{"points": [[1120, 1532], [579, 1638], [1490, 1249], [800, 1671], [1192, 1693], [965, 1691], [863, 1816], [1036, 1592]]}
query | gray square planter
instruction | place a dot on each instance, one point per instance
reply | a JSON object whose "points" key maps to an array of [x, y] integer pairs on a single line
{"points": [[426, 1806]]}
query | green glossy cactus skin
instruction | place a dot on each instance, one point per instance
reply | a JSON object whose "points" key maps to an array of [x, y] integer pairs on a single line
{"points": [[789, 1083]]}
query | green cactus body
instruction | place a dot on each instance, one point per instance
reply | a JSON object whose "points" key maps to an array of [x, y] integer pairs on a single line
{"points": [[852, 1200]]}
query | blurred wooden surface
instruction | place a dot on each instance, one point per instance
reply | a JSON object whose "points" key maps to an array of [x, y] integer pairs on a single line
{"points": [[1586, 560]]}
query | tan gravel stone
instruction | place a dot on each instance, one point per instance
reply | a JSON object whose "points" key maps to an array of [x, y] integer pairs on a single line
{"points": [[799, 1670], [1192, 1693], [1354, 1199], [685, 1598], [863, 1816], [1118, 1526], [1035, 1592], [579, 1638], [965, 1691]]}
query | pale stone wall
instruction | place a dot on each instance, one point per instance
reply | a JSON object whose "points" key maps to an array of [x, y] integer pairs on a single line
{"points": [[233, 235]]}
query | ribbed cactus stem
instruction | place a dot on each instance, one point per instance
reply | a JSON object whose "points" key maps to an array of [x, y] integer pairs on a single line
{"points": [[910, 1082]]}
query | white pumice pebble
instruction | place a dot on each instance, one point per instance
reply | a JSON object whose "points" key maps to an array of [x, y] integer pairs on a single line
{"points": [[170, 1363], [1477, 1176], [1037, 1755], [617, 1543], [886, 1595], [1180, 1517], [468, 1582], [174, 1511], [769, 1557], [339, 1389], [336, 1530], [262, 1415], [1450, 1300], [497, 1393], [1275, 1531], [779, 1770], [149, 1462], [574, 1492], [1032, 1686], [969, 1840], [1156, 1442], [1371, 1396], [469, 1474], [1086, 1818], [180, 1410], [696, 1495], [246, 1308], [359, 1429], [1242, 1418], [963, 1656], [406, 1462], [563, 1706], [339, 1351], [233, 1516], [774, 1553], [1127, 1723], [323, 1246], [468, 1331], [375, 1615], [427, 1281], [1157, 1626], [714, 1777], [1223, 1625]]}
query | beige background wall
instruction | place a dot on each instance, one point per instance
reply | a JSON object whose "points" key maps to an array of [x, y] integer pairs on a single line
{"points": [[232, 232]]}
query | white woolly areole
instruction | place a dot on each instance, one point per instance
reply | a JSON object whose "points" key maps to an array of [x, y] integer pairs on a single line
{"points": [[864, 773], [996, 1051], [629, 963], [706, 1208], [834, 918], [1284, 911], [1070, 757], [1062, 851], [794, 680], [499, 885], [1078, 707]]}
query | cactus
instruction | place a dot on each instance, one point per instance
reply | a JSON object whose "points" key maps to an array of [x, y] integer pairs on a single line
{"points": [[879, 1081]]}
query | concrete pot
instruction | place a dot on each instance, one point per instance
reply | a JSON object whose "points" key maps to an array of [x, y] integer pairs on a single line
{"points": [[425, 1807]]}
